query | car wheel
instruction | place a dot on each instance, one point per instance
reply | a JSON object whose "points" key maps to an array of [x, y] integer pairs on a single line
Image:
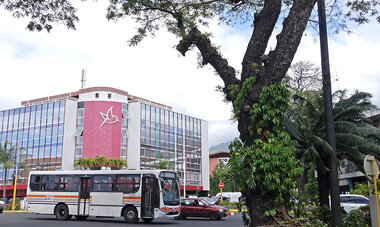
{"points": [[130, 215], [81, 218], [213, 216], [62, 212]]}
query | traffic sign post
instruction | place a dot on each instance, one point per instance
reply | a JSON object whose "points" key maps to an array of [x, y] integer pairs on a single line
{"points": [[372, 170], [221, 186]]}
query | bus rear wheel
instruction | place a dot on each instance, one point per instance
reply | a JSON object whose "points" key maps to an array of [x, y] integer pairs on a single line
{"points": [[130, 215], [62, 212]]}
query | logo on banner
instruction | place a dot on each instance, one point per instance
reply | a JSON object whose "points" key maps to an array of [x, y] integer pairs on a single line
{"points": [[108, 118]]}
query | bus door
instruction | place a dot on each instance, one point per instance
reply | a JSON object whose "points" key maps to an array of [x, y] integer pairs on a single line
{"points": [[150, 196], [84, 195]]}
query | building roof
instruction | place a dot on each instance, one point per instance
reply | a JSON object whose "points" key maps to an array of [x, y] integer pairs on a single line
{"points": [[219, 154], [75, 95]]}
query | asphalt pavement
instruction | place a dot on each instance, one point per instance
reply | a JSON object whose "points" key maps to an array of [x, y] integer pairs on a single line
{"points": [[35, 220]]}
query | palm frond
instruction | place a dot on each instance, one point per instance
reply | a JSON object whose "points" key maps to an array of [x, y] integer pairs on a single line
{"points": [[292, 130]]}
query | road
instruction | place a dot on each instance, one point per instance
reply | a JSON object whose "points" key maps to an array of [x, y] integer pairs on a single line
{"points": [[35, 220]]}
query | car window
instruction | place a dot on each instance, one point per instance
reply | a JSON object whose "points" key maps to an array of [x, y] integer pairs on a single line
{"points": [[201, 203], [361, 200], [185, 202], [346, 199]]}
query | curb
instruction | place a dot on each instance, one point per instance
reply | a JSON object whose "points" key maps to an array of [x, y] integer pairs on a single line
{"points": [[236, 210], [233, 212], [16, 211]]}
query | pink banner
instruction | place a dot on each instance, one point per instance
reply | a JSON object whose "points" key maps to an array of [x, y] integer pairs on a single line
{"points": [[102, 129]]}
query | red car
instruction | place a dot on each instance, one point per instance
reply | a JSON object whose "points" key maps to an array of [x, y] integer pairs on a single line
{"points": [[194, 207]]}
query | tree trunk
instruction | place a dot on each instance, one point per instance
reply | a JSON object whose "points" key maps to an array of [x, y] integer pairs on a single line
{"points": [[5, 183], [303, 180], [323, 188], [257, 206]]}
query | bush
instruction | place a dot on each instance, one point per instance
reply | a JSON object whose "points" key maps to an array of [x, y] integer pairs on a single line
{"points": [[359, 217], [323, 214], [10, 204]]}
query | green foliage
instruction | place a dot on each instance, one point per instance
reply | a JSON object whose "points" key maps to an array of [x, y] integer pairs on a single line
{"points": [[242, 95], [359, 217], [163, 164], [269, 111], [99, 161], [361, 189], [42, 13], [222, 172], [9, 206], [310, 194], [270, 213], [269, 165], [323, 214], [269, 168]]}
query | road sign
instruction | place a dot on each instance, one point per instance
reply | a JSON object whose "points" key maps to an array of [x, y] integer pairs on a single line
{"points": [[221, 185], [369, 169]]}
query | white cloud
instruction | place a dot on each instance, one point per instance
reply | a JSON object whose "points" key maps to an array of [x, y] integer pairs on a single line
{"points": [[35, 65]]}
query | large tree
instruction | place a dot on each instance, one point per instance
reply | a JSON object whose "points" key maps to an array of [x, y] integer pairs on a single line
{"points": [[187, 19]]}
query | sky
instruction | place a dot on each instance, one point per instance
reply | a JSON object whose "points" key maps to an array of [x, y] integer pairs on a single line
{"points": [[40, 64]]}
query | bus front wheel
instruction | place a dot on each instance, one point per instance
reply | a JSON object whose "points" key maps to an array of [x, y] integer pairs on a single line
{"points": [[62, 212], [130, 215]]}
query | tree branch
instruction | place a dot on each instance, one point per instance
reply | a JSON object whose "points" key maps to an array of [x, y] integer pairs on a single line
{"points": [[210, 56], [288, 40], [264, 23]]}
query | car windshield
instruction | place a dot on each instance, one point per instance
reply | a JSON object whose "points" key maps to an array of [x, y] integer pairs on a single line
{"points": [[170, 191], [206, 202]]}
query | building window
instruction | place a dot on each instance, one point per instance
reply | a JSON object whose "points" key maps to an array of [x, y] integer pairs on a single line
{"points": [[109, 96], [96, 95]]}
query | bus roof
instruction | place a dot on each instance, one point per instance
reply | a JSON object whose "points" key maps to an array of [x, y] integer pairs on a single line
{"points": [[95, 172]]}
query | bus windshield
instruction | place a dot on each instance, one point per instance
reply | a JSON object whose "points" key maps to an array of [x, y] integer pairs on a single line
{"points": [[170, 191]]}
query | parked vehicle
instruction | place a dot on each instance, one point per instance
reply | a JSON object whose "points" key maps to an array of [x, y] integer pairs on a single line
{"points": [[194, 207], [1, 206], [216, 199], [233, 196], [352, 202]]}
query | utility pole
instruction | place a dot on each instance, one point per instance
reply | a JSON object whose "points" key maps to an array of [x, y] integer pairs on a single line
{"points": [[330, 129]]}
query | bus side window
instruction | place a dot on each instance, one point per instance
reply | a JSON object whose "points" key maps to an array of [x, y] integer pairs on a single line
{"points": [[102, 183], [48, 183], [35, 183], [127, 183], [72, 183]]}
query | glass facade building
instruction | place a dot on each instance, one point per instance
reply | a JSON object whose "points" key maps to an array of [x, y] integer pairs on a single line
{"points": [[167, 135], [36, 133], [51, 133]]}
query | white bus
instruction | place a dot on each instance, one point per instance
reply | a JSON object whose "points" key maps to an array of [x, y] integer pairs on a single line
{"points": [[132, 194]]}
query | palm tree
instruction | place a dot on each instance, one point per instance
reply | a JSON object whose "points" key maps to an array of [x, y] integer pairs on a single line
{"points": [[6, 159], [9, 157], [162, 164], [79, 163], [100, 160], [355, 136]]}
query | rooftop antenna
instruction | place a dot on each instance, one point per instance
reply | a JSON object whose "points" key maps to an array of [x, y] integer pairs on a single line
{"points": [[83, 78]]}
